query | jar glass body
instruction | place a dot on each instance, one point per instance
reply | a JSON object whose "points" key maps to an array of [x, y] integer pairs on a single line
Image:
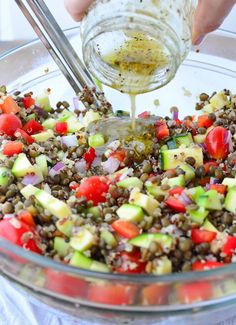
{"points": [[136, 46]]}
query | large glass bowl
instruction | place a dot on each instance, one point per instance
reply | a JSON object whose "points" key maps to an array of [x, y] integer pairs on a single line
{"points": [[110, 297]]}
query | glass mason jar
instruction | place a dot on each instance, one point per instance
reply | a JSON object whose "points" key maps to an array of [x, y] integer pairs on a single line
{"points": [[136, 46]]}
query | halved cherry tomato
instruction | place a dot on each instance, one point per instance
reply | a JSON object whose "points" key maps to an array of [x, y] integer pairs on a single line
{"points": [[126, 228], [26, 217], [175, 204], [61, 128], [9, 106], [33, 127], [210, 164], [111, 294], [65, 284], [155, 294], [89, 156], [22, 134], [134, 258], [119, 154], [220, 188], [195, 291], [19, 233], [12, 148], [94, 189], [145, 114], [176, 191], [9, 123], [199, 236], [162, 131], [206, 265], [204, 121], [230, 246], [28, 102], [217, 143]]}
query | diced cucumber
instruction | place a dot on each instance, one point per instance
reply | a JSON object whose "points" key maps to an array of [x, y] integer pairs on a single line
{"points": [[22, 166], [183, 139], [208, 109], [44, 102], [4, 176], [82, 241], [163, 266], [199, 138], [49, 124], [189, 171], [131, 182], [210, 200], [172, 158], [41, 162], [130, 212], [30, 117], [209, 226], [90, 117], [195, 192], [118, 173], [198, 216], [95, 211], [145, 240], [229, 182], [144, 201], [57, 207], [164, 147], [96, 140], [156, 191], [61, 246], [82, 261], [174, 181], [219, 100], [37, 171], [29, 190], [43, 136], [230, 200], [108, 238], [74, 125], [65, 226]]}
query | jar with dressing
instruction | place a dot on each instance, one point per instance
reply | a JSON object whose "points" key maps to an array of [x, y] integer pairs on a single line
{"points": [[136, 46]]}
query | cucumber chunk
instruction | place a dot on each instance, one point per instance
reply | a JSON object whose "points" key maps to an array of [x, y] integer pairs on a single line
{"points": [[82, 241], [43, 136], [189, 171], [210, 200], [22, 166], [219, 100], [61, 246], [108, 238], [230, 200], [82, 261], [95, 211], [131, 182], [144, 201], [4, 176], [130, 212], [65, 226], [155, 191], [170, 159], [229, 182], [90, 117], [196, 192], [96, 140], [145, 240], [198, 216], [174, 181], [209, 226], [29, 190], [163, 266], [44, 102], [41, 162], [49, 124], [183, 139]]}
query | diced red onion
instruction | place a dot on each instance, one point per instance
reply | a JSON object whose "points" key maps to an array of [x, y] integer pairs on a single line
{"points": [[55, 170], [184, 198], [175, 115], [40, 111], [111, 165], [31, 179], [81, 166], [76, 103], [70, 140], [214, 180], [9, 216], [203, 146], [97, 161], [207, 187]]}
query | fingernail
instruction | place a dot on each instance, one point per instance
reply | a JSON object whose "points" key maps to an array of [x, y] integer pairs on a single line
{"points": [[198, 40]]}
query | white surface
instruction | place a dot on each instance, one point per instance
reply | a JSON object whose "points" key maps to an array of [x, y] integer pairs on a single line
{"points": [[13, 25]]}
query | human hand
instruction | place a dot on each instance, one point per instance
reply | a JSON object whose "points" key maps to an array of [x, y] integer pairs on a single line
{"points": [[209, 15]]}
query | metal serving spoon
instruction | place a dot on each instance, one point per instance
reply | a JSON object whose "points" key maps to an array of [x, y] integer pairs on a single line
{"points": [[57, 44]]}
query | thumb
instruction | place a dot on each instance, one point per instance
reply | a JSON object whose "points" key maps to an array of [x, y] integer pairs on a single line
{"points": [[77, 8], [209, 15]]}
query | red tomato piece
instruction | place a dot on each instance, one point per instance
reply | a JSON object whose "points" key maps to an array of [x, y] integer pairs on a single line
{"points": [[175, 204], [126, 228], [61, 128], [199, 236], [217, 143], [73, 186], [195, 291], [176, 191], [93, 189], [178, 122], [111, 294], [145, 114], [162, 131], [204, 121], [119, 154], [12, 148], [210, 164], [134, 258], [155, 294], [9, 106], [28, 102], [18, 233], [26, 217], [89, 156], [9, 123], [204, 181], [33, 127], [230, 246], [22, 134], [206, 265], [220, 188], [65, 284]]}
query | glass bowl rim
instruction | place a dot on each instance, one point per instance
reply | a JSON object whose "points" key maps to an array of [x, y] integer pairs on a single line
{"points": [[143, 278]]}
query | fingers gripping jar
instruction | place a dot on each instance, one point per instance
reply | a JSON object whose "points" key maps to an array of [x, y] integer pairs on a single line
{"points": [[136, 46]]}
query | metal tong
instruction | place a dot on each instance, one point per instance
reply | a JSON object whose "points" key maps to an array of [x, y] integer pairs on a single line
{"points": [[57, 44]]}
